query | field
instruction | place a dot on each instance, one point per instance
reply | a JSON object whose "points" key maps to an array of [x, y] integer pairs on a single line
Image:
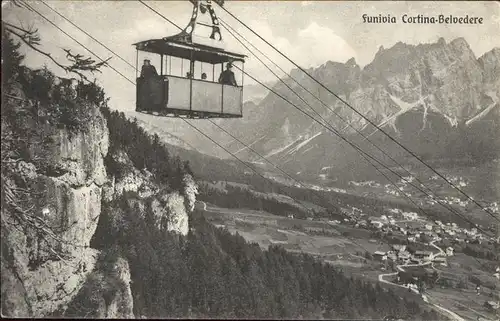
{"points": [[293, 234], [344, 247]]}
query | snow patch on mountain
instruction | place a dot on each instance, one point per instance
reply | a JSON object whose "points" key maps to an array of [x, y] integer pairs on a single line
{"points": [[483, 113], [453, 120], [281, 149], [404, 107], [300, 145], [250, 145]]}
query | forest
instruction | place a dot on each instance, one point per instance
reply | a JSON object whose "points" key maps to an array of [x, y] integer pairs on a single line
{"points": [[212, 273]]}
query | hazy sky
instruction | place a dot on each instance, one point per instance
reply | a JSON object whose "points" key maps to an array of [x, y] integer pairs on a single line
{"points": [[310, 32]]}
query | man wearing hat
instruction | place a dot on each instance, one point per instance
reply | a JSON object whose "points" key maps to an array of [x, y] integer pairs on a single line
{"points": [[227, 76], [148, 70], [151, 91]]}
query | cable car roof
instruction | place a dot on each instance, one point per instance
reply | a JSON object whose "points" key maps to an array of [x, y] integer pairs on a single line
{"points": [[188, 50]]}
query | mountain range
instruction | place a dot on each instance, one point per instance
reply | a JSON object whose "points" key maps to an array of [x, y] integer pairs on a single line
{"points": [[437, 99]]}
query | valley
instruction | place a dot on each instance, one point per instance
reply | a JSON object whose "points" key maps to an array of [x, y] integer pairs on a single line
{"points": [[362, 251], [387, 208], [439, 100]]}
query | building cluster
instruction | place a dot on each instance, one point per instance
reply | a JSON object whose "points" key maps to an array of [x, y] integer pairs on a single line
{"points": [[401, 255], [450, 200], [363, 184], [411, 228], [414, 228]]}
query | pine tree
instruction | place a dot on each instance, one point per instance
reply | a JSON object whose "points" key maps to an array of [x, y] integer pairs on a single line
{"points": [[11, 59]]}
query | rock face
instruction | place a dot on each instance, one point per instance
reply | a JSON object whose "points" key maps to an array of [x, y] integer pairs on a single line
{"points": [[128, 179], [42, 272], [170, 209], [120, 306], [50, 269]]}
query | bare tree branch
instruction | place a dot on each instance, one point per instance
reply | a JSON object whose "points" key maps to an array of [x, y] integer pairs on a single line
{"points": [[19, 4], [79, 63]]}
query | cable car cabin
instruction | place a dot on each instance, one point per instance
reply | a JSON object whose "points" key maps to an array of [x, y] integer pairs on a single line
{"points": [[190, 94]]}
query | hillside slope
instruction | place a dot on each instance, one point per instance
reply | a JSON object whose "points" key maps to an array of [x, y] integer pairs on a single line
{"points": [[57, 178]]}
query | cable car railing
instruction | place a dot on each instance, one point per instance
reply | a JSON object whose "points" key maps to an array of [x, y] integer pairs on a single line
{"points": [[190, 95]]}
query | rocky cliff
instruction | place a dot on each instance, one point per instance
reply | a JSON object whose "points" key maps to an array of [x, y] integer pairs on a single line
{"points": [[50, 258], [54, 185]]}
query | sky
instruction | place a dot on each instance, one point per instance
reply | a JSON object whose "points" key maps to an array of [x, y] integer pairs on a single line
{"points": [[309, 32]]}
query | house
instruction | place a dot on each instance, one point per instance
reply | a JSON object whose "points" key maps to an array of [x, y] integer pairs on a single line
{"points": [[426, 255], [428, 227], [399, 247], [377, 224], [492, 305], [392, 256], [440, 260], [404, 256], [411, 239], [290, 215], [449, 251], [410, 215], [380, 256]]}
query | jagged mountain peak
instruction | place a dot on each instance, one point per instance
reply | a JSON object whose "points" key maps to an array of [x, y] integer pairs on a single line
{"points": [[416, 91], [460, 42], [351, 62]]}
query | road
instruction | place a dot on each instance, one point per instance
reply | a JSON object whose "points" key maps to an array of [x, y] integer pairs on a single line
{"points": [[426, 298], [381, 279], [441, 252]]}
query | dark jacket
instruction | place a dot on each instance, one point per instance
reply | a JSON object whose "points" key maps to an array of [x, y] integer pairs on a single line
{"points": [[227, 78], [148, 71]]}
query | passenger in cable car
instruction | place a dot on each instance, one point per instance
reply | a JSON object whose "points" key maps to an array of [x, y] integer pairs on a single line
{"points": [[148, 70], [227, 76], [151, 94], [203, 76]]}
